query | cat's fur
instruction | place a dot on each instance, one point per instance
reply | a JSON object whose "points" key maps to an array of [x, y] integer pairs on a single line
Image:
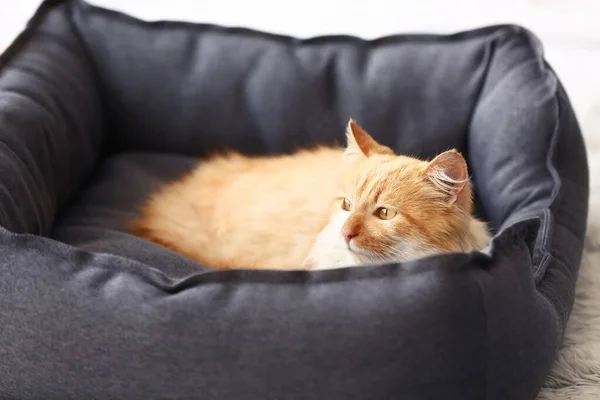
{"points": [[285, 212]]}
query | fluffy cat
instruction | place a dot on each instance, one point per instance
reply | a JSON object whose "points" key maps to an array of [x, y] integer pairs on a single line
{"points": [[316, 209]]}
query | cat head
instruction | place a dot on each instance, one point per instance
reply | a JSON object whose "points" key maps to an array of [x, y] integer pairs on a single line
{"points": [[393, 208]]}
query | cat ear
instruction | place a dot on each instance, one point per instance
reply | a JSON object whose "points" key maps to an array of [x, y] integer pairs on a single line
{"points": [[448, 172], [361, 144]]}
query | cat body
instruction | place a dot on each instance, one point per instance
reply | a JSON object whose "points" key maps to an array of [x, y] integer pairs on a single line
{"points": [[237, 211], [316, 209]]}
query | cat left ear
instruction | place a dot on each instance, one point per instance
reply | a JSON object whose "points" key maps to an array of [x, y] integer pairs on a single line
{"points": [[448, 172], [361, 144]]}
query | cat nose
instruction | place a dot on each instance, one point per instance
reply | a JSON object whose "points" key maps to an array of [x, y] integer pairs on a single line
{"points": [[348, 235]]}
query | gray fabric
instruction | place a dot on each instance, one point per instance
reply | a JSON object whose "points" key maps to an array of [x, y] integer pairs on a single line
{"points": [[96, 108]]}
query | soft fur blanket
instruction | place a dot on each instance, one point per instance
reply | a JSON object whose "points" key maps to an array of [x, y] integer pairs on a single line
{"points": [[576, 373]]}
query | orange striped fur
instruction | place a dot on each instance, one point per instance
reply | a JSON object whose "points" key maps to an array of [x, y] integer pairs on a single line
{"points": [[316, 209]]}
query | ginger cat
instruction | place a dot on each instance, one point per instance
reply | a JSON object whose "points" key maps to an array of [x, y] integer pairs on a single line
{"points": [[316, 209]]}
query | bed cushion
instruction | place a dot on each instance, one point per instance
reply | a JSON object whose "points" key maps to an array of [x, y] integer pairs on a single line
{"points": [[98, 108]]}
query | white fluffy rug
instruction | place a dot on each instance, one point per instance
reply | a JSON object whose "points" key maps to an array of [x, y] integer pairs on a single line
{"points": [[576, 373]]}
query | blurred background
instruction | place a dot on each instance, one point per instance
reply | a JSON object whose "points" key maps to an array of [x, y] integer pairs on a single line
{"points": [[569, 29]]}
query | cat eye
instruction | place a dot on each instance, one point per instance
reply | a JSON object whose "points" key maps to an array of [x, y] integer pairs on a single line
{"points": [[346, 205], [385, 213]]}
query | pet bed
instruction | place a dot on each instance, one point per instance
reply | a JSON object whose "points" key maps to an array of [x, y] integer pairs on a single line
{"points": [[97, 108]]}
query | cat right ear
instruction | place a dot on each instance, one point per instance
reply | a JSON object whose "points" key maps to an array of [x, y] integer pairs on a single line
{"points": [[448, 172], [361, 144]]}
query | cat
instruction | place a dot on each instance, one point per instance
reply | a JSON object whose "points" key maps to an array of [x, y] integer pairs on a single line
{"points": [[321, 208]]}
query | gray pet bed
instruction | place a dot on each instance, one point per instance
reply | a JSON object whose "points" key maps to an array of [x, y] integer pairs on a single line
{"points": [[97, 108]]}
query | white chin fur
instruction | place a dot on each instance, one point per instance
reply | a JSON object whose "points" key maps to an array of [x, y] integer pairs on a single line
{"points": [[330, 250]]}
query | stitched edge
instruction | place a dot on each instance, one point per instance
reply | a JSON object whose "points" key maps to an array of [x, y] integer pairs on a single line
{"points": [[467, 34], [23, 37]]}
